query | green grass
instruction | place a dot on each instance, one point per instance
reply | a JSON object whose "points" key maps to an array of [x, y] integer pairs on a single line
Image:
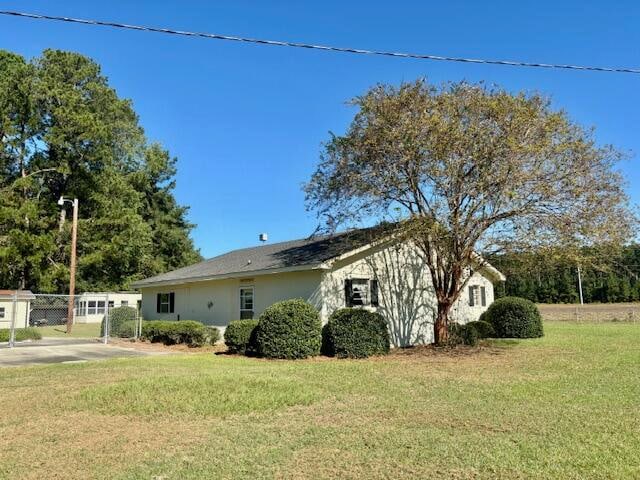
{"points": [[564, 406], [79, 330]]}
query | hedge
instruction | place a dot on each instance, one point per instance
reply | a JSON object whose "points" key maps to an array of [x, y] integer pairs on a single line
{"points": [[30, 333], [514, 317], [355, 333], [462, 334], [289, 329], [188, 332], [240, 336], [484, 328]]}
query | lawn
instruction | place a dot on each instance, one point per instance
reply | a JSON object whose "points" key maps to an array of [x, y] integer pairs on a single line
{"points": [[565, 406], [79, 330]]}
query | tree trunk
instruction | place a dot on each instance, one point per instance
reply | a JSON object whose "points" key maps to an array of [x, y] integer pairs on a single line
{"points": [[441, 326]]}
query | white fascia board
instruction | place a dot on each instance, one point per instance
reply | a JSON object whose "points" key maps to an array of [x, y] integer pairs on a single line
{"points": [[226, 276]]}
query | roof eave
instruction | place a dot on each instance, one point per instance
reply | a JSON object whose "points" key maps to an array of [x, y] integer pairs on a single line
{"points": [[226, 276]]}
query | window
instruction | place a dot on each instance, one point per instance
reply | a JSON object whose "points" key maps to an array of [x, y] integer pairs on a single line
{"points": [[1, 312], [246, 303], [100, 308], [111, 304], [165, 302], [124, 303], [361, 292], [91, 310], [477, 296]]}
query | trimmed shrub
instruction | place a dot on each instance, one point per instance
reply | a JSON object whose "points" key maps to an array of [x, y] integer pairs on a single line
{"points": [[355, 333], [514, 317], [22, 334], [462, 334], [118, 316], [239, 336], [169, 332], [289, 329], [484, 328]]}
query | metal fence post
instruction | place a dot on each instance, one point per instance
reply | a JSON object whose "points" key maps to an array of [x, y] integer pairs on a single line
{"points": [[14, 312], [107, 322]]}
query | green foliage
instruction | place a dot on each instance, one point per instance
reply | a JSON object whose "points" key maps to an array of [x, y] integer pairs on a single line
{"points": [[121, 322], [355, 333], [66, 132], [543, 279], [212, 335], [514, 317], [239, 336], [188, 332], [289, 329], [30, 333], [462, 334], [484, 328]]}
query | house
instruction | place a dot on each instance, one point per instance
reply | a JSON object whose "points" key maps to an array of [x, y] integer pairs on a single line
{"points": [[359, 268], [91, 306], [22, 305]]}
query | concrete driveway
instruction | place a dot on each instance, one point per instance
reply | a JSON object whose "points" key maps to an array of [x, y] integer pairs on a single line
{"points": [[62, 350]]}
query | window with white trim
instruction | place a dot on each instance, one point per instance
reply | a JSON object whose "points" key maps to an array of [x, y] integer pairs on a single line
{"points": [[91, 307], [101, 306], [246, 303], [477, 296], [1, 312], [361, 292], [124, 303], [165, 302]]}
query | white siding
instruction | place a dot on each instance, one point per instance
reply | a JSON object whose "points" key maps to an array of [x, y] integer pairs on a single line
{"points": [[22, 313], [406, 295], [217, 302]]}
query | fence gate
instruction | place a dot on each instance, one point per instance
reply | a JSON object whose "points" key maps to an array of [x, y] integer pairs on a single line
{"points": [[94, 318]]}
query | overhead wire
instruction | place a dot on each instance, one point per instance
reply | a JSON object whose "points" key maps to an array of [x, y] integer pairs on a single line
{"points": [[280, 43]]}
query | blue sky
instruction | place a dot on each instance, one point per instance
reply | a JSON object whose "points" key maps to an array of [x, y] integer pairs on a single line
{"points": [[246, 122]]}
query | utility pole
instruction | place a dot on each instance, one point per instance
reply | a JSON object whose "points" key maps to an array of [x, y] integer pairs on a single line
{"points": [[72, 266], [580, 285]]}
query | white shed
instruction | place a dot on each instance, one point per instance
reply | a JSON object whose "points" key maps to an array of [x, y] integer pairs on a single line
{"points": [[22, 307]]}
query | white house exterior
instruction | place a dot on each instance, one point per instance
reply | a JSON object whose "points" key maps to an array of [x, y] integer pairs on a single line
{"points": [[22, 308], [331, 272], [91, 306]]}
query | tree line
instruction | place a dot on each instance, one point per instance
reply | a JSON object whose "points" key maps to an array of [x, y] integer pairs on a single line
{"points": [[64, 131], [615, 278]]}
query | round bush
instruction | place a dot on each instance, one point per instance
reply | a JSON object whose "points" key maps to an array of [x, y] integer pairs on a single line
{"points": [[514, 317], [289, 329], [462, 334], [239, 336], [355, 333], [484, 328]]}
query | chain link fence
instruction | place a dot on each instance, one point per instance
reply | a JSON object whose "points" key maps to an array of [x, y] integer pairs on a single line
{"points": [[90, 316]]}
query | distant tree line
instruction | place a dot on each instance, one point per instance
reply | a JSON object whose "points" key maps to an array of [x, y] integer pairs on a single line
{"points": [[65, 131], [616, 278]]}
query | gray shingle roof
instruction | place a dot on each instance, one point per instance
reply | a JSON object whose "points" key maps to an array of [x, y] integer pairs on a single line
{"points": [[307, 252]]}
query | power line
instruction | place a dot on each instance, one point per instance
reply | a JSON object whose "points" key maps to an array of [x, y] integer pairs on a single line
{"points": [[278, 43]]}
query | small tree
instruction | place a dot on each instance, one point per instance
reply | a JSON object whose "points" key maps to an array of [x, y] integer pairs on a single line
{"points": [[468, 168]]}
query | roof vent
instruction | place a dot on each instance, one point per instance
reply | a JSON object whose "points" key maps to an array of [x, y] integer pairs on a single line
{"points": [[263, 237]]}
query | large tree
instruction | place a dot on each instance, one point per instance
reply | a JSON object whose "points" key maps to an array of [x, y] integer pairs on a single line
{"points": [[65, 131], [467, 168]]}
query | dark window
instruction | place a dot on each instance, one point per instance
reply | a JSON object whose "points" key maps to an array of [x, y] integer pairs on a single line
{"points": [[92, 308], [483, 296], [1, 312], [165, 302], [361, 292]]}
